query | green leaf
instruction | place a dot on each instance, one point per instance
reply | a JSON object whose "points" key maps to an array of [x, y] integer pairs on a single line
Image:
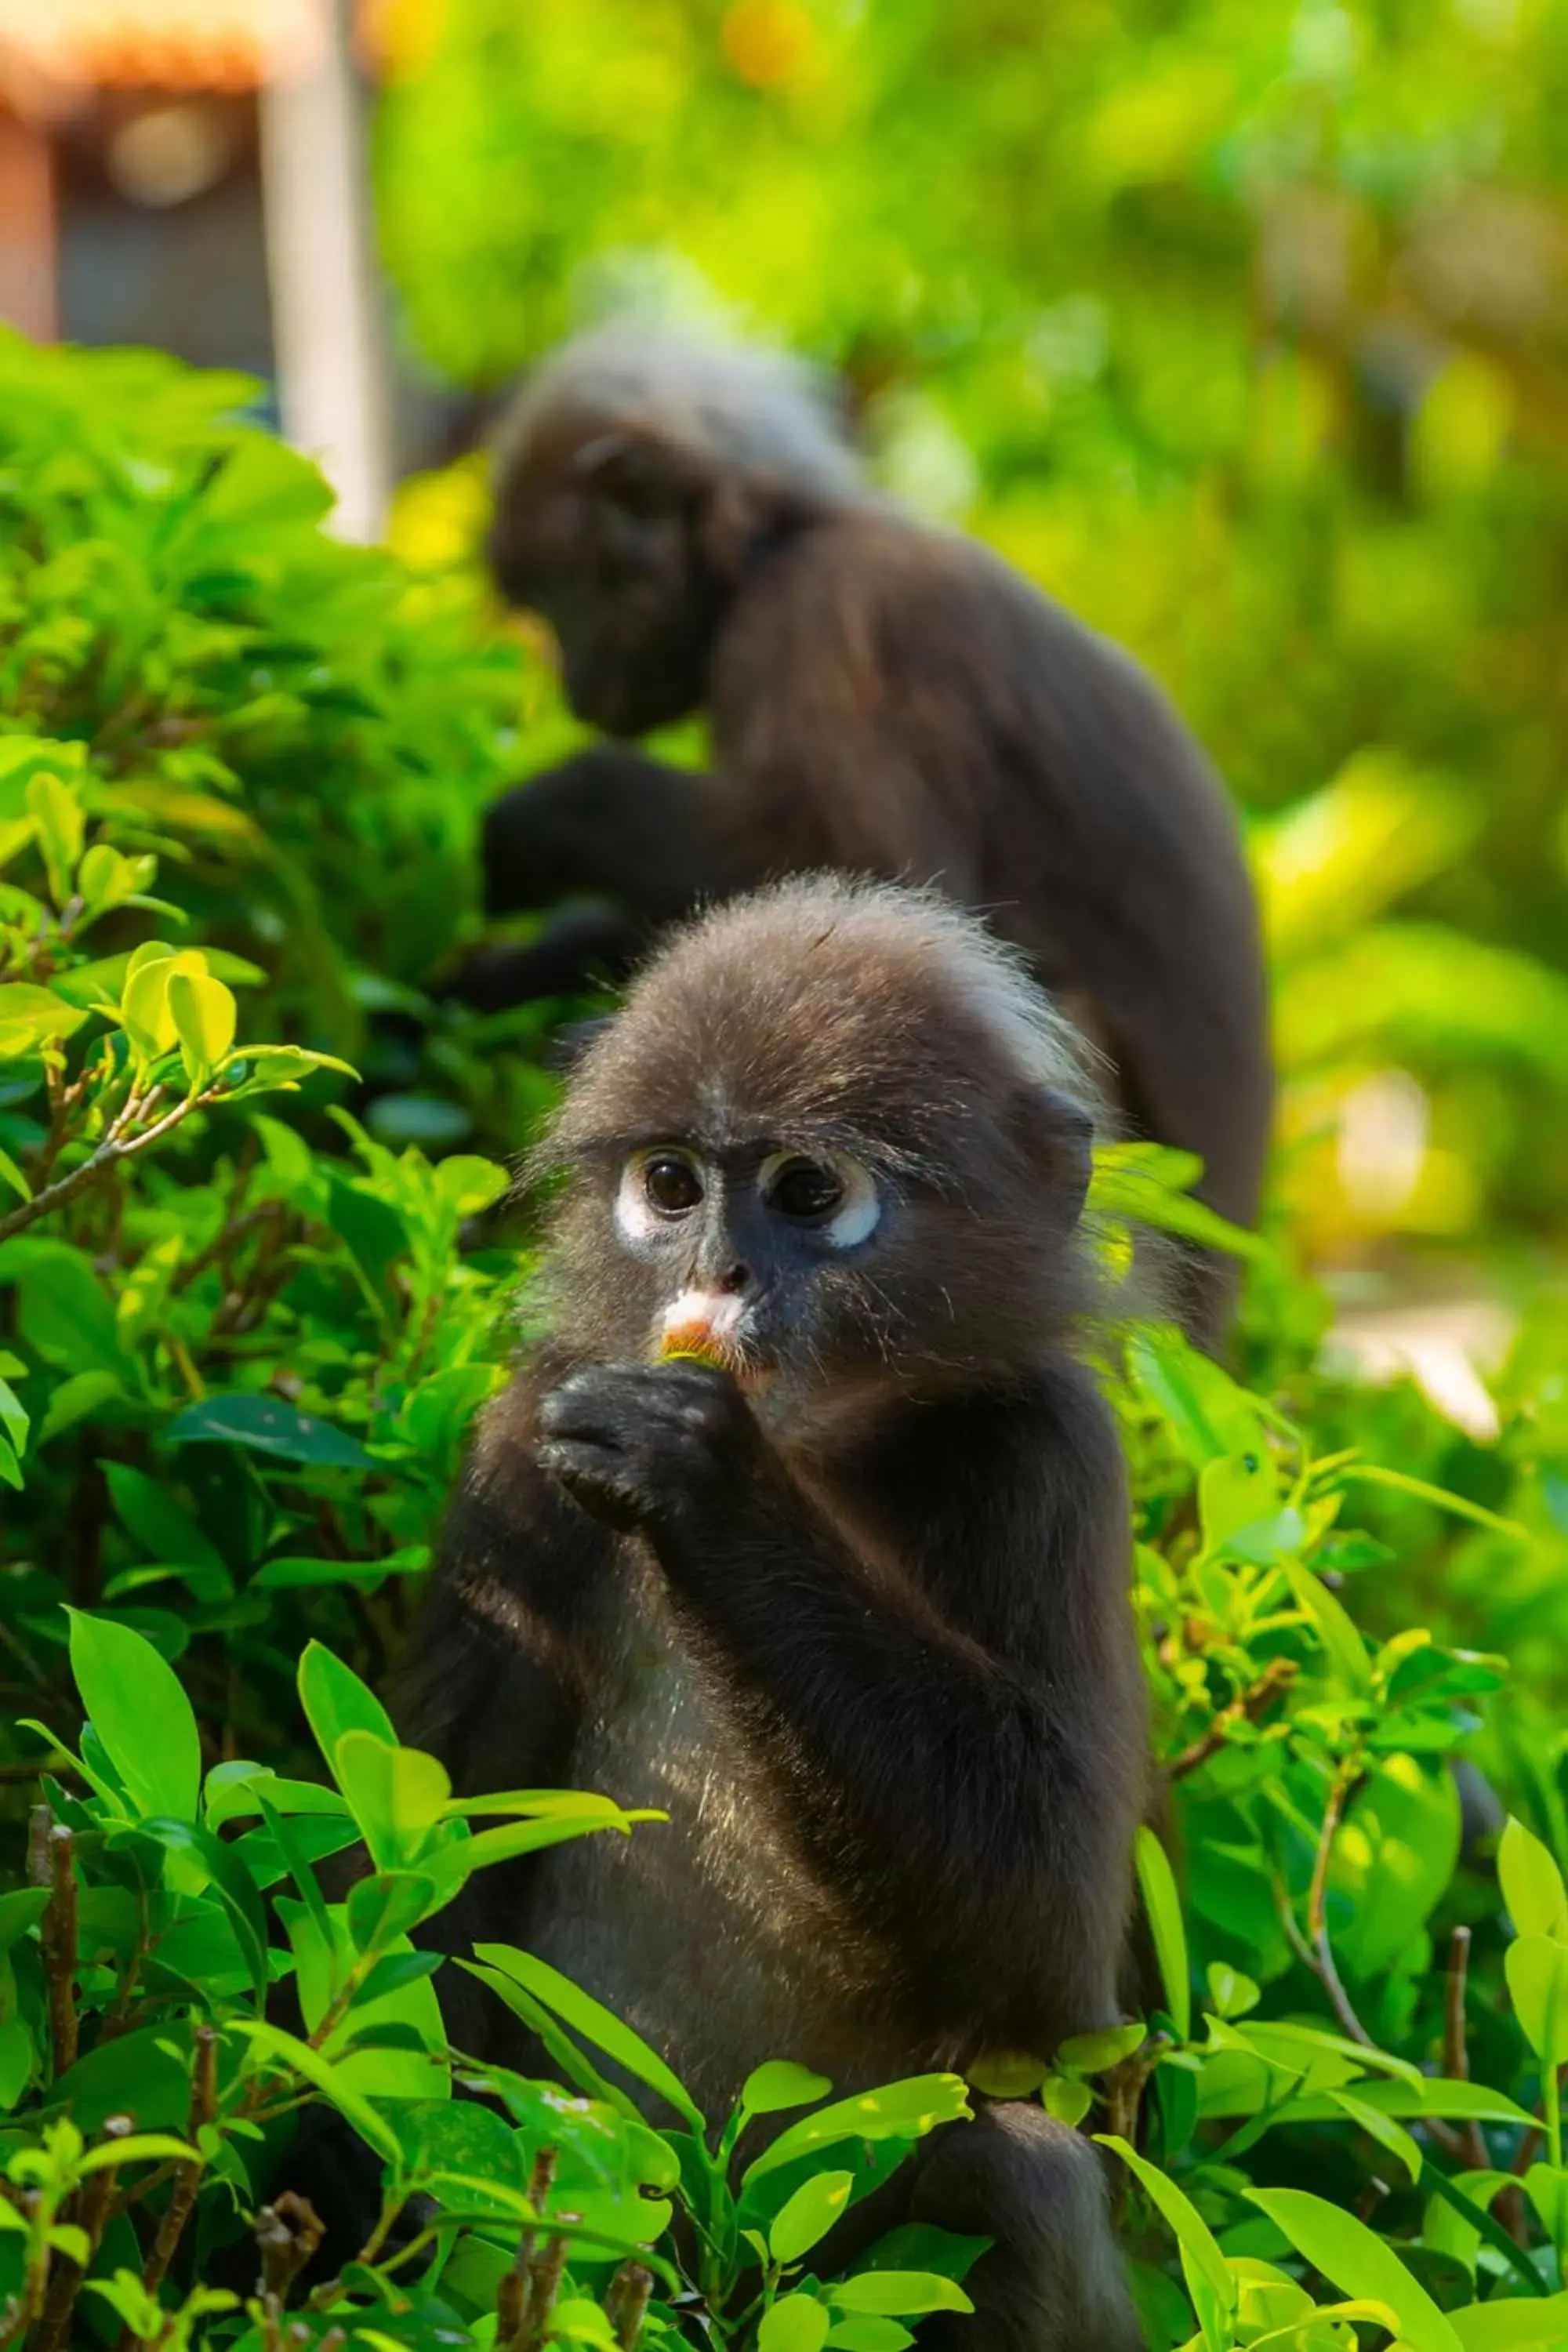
{"points": [[1209, 2279], [270, 2042], [779, 2084], [1209, 1416], [865, 2333], [595, 2023], [205, 1015], [136, 1705], [1512, 2326], [1231, 1994], [897, 2111], [32, 1016], [809, 2215], [385, 1906], [265, 1424], [1536, 1971], [397, 1794], [1532, 1889], [232, 1884], [1338, 1634], [1358, 2263], [796, 2323], [897, 2294], [1163, 1906], [1382, 2129], [335, 1701], [60, 824]]}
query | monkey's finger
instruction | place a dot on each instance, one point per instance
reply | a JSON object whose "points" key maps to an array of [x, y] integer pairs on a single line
{"points": [[598, 1482]]}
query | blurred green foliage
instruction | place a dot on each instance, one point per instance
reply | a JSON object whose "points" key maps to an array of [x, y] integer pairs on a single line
{"points": [[1239, 323]]}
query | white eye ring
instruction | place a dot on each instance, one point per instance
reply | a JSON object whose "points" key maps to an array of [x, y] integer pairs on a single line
{"points": [[859, 1211], [637, 1217]]}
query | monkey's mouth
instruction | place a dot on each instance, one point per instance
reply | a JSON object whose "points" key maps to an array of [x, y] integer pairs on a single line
{"points": [[711, 1327]]}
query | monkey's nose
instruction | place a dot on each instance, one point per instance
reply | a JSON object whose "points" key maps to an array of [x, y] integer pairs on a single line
{"points": [[734, 1279]]}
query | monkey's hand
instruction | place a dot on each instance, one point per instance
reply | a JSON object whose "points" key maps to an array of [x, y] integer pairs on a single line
{"points": [[648, 1448]]}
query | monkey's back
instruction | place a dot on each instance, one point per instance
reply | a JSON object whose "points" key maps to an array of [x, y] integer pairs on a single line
{"points": [[898, 700]]}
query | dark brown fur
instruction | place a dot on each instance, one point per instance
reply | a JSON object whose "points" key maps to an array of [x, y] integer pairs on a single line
{"points": [[864, 1630], [884, 698]]}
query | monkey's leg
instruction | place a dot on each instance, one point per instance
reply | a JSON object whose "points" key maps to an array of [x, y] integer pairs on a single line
{"points": [[1053, 2280]]}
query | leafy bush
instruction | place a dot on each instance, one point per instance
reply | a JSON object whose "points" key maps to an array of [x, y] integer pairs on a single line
{"points": [[244, 1333]]}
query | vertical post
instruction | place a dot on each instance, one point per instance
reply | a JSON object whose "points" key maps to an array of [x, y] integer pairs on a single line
{"points": [[326, 322], [27, 254]]}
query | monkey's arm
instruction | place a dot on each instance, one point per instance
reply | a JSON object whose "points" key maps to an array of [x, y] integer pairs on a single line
{"points": [[643, 841], [959, 1732], [492, 1683]]}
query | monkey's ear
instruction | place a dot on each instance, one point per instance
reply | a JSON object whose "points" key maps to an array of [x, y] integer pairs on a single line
{"points": [[1057, 1134]]}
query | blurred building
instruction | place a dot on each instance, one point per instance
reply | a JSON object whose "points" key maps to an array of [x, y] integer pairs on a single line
{"points": [[189, 173]]}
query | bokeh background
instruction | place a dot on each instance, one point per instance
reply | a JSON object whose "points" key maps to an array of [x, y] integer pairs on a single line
{"points": [[1240, 324]]}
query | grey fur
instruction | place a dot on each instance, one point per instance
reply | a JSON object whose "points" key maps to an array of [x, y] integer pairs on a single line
{"points": [[757, 413]]}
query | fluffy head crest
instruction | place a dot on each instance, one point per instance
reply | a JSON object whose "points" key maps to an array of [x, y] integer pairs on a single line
{"points": [[736, 406]]}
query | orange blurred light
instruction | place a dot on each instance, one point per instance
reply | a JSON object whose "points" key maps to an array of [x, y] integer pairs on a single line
{"points": [[768, 42], [165, 44]]}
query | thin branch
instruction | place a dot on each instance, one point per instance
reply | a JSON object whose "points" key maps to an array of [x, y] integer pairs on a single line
{"points": [[116, 1148], [1252, 1702], [1456, 2046], [187, 2176], [59, 1946]]}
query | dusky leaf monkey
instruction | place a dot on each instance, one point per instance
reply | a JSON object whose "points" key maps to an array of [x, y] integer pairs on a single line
{"points": [[884, 698], [850, 1596]]}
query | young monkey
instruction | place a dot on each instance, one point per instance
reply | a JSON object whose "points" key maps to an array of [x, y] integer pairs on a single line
{"points": [[848, 1596]]}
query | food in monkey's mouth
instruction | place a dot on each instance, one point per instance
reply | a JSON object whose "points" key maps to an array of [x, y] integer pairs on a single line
{"points": [[704, 1328], [693, 1343]]}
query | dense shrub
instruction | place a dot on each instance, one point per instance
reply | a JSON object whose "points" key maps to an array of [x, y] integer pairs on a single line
{"points": [[244, 1332]]}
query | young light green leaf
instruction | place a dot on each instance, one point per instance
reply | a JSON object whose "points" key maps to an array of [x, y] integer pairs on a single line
{"points": [[1532, 1886], [1513, 2327], [777, 2086], [899, 2110], [205, 1015], [1358, 2263], [397, 1794], [1536, 1971], [796, 2323], [897, 2294], [1163, 1906], [335, 1701], [136, 1704], [809, 2215]]}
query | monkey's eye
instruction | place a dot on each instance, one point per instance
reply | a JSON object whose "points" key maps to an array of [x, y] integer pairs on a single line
{"points": [[805, 1189], [671, 1183], [837, 1196]]}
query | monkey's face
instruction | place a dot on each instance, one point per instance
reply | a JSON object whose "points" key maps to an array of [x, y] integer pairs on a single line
{"points": [[740, 1246], [605, 542]]}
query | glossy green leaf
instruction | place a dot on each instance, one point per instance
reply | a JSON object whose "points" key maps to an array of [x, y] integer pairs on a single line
{"points": [[899, 2110], [140, 1711], [779, 2084], [1532, 1884], [809, 2215], [1163, 1906], [595, 2023], [1536, 1971], [265, 1424], [1358, 2263], [796, 2323], [897, 2294], [335, 1701]]}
